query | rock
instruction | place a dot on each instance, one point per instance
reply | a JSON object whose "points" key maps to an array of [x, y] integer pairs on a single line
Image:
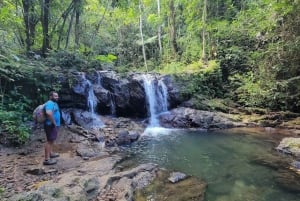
{"points": [[176, 177], [123, 138], [87, 119], [115, 94], [189, 189], [134, 136], [290, 145], [36, 171], [123, 184], [288, 180], [271, 161], [94, 149], [187, 118], [296, 164], [91, 188]]}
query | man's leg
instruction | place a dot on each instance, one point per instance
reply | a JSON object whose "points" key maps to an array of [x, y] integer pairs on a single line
{"points": [[51, 136], [48, 149]]}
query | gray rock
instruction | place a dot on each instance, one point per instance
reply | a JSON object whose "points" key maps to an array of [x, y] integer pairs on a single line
{"points": [[296, 164], [176, 177], [290, 145], [190, 118]]}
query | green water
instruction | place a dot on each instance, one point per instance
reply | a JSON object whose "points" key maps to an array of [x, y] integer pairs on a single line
{"points": [[223, 160]]}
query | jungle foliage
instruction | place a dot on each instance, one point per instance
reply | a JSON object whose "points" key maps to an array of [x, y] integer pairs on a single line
{"points": [[245, 51]]}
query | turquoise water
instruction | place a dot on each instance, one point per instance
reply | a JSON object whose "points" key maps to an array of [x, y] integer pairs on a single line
{"points": [[223, 160]]}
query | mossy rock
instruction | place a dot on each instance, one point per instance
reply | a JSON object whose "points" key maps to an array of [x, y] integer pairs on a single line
{"points": [[191, 188]]}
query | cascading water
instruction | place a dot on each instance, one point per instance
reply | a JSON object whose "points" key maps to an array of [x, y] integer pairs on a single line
{"points": [[112, 105], [163, 95], [91, 98], [85, 87], [157, 95]]}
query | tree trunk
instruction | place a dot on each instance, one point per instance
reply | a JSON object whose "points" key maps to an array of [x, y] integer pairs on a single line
{"points": [[159, 29], [69, 29], [45, 25], [204, 14], [173, 28], [64, 16], [77, 8], [142, 37], [30, 21], [99, 24]]}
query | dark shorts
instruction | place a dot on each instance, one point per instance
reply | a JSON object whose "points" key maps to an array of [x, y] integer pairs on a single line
{"points": [[51, 132]]}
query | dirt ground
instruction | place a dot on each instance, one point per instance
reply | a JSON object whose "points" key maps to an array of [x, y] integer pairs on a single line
{"points": [[22, 169]]}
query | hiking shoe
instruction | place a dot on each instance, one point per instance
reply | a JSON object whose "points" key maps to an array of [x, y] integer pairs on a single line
{"points": [[54, 155], [49, 162]]}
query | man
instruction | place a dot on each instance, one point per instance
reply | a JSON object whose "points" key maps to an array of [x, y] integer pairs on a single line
{"points": [[51, 127]]}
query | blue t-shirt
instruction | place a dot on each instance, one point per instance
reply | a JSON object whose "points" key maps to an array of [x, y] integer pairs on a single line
{"points": [[51, 105]]}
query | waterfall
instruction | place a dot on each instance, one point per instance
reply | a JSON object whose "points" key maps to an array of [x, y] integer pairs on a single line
{"points": [[91, 98], [163, 95], [156, 96], [85, 87], [99, 78], [112, 105]]}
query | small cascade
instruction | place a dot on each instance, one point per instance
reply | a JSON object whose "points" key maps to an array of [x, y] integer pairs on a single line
{"points": [[91, 98], [99, 78], [163, 95], [157, 95], [85, 87], [112, 105]]}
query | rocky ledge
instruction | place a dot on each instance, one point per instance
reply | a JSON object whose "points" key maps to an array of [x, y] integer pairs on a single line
{"points": [[183, 117]]}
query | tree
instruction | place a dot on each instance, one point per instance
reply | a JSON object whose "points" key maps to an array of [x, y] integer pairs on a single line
{"points": [[30, 20], [159, 29], [142, 36], [45, 24], [172, 28], [204, 15]]}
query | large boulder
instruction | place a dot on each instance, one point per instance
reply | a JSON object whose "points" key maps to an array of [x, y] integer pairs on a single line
{"points": [[290, 145], [190, 118]]}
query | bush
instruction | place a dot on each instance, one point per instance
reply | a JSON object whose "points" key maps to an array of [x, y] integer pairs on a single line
{"points": [[207, 83], [13, 129]]}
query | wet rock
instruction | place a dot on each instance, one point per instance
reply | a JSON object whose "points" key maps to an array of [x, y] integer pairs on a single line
{"points": [[87, 119], [288, 180], [176, 177], [271, 161], [186, 118], [122, 138], [94, 149], [189, 189], [290, 145], [134, 136], [296, 165], [110, 143]]}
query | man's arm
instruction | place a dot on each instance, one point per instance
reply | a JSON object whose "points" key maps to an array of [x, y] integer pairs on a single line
{"points": [[50, 117]]}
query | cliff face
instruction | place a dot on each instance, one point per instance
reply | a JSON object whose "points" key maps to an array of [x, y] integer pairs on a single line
{"points": [[105, 92]]}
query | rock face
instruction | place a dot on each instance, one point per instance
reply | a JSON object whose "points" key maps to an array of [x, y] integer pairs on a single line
{"points": [[112, 94], [187, 118]]}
